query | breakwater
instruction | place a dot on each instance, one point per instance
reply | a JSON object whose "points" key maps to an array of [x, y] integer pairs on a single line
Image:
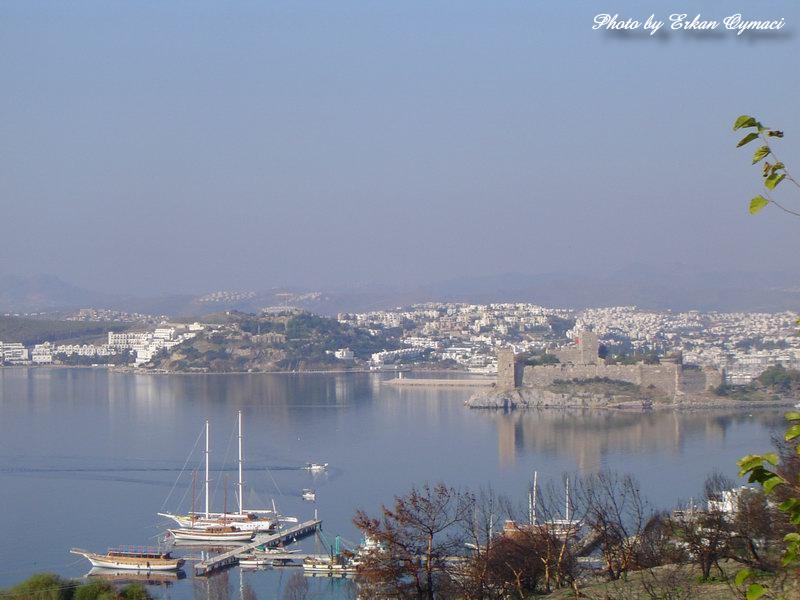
{"points": [[425, 382]]}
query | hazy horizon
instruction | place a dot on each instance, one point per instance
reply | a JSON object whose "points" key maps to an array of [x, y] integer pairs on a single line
{"points": [[170, 147]]}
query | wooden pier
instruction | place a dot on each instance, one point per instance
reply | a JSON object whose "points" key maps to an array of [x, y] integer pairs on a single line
{"points": [[229, 558]]}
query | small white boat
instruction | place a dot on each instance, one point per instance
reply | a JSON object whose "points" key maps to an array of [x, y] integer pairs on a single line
{"points": [[212, 534], [317, 466], [309, 495], [267, 557], [133, 559], [327, 566], [255, 561]]}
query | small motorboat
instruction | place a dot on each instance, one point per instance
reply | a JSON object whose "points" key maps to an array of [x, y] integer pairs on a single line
{"points": [[317, 467], [133, 559], [327, 566], [255, 561], [309, 495]]}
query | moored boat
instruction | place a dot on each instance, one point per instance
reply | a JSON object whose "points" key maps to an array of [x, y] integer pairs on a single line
{"points": [[328, 566], [309, 495], [245, 522], [135, 559], [212, 534], [255, 520]]}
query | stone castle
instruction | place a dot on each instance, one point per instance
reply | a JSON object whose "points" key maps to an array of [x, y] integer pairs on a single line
{"points": [[582, 361]]}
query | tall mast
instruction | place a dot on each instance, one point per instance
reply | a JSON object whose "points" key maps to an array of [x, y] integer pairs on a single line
{"points": [[530, 507], [207, 473], [533, 503], [194, 495], [241, 461], [567, 507]]}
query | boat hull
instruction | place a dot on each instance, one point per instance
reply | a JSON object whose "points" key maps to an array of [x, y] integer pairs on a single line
{"points": [[187, 522], [130, 563], [202, 535]]}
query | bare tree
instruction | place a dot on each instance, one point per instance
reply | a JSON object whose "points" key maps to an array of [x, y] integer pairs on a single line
{"points": [[419, 536], [215, 587], [474, 575], [296, 588], [536, 551], [705, 531], [248, 593], [617, 514]]}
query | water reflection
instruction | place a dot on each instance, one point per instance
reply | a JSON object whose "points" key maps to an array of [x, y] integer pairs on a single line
{"points": [[588, 436]]}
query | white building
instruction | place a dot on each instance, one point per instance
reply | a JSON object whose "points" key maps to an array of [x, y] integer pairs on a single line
{"points": [[391, 356], [344, 354], [127, 340], [42, 354], [13, 352], [728, 503], [164, 333]]}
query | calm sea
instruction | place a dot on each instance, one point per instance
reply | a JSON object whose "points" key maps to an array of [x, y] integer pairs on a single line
{"points": [[87, 457]]}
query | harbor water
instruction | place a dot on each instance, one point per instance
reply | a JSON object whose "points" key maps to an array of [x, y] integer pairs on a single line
{"points": [[88, 457]]}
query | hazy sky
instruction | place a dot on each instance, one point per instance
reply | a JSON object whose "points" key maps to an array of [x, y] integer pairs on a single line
{"points": [[189, 146]]}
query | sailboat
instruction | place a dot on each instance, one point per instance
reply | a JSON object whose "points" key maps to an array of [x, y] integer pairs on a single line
{"points": [[562, 528], [255, 520], [132, 559], [212, 530], [217, 534]]}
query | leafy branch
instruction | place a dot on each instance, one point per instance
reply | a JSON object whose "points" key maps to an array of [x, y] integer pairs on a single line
{"points": [[763, 470], [773, 173]]}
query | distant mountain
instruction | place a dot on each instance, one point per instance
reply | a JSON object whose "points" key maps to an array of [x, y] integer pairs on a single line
{"points": [[676, 287], [51, 294], [42, 293]]}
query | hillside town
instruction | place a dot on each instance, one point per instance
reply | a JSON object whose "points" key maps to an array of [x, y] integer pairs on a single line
{"points": [[468, 337]]}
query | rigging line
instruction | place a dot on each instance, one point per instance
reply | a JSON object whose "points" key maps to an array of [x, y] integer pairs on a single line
{"points": [[197, 441], [224, 462], [275, 483]]}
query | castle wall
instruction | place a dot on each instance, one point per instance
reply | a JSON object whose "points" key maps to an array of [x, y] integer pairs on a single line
{"points": [[668, 377], [581, 361], [696, 381], [546, 374], [663, 377]]}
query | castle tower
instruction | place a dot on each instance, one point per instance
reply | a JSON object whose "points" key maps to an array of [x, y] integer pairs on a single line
{"points": [[588, 347], [509, 372]]}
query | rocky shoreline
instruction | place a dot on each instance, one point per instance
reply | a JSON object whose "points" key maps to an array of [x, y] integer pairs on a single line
{"points": [[530, 397]]}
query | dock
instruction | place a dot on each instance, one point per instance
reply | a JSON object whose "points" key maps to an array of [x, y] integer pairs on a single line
{"points": [[428, 382], [229, 558]]}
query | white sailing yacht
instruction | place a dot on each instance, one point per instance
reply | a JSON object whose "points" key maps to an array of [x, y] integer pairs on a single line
{"points": [[252, 520], [217, 530]]}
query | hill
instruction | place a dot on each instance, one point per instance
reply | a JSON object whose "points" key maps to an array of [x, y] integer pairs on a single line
{"points": [[35, 331], [287, 341]]}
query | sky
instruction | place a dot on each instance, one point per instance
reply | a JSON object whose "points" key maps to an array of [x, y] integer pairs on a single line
{"points": [[189, 146]]}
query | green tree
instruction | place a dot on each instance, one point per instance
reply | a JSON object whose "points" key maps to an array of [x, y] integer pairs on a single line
{"points": [[96, 590], [42, 586], [778, 477]]}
